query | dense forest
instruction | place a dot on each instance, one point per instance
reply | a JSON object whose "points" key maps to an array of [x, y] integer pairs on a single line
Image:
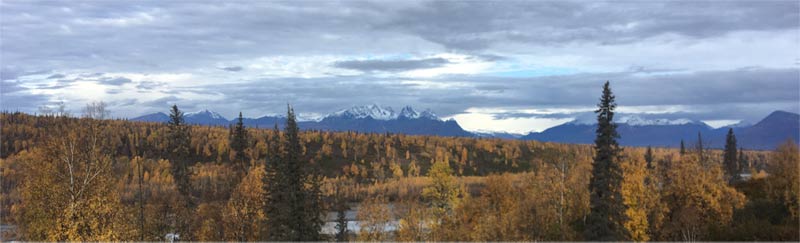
{"points": [[66, 178]]}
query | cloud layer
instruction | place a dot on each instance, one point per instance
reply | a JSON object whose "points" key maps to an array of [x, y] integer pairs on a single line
{"points": [[494, 63]]}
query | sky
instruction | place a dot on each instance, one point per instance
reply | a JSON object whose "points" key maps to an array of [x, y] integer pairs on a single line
{"points": [[513, 66]]}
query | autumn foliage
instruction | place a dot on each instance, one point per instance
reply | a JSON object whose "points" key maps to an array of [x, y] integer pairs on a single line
{"points": [[70, 179]]}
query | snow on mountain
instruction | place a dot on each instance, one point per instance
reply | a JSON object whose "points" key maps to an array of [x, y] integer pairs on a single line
{"points": [[205, 117], [205, 113], [639, 121], [384, 113], [429, 114], [409, 112], [374, 111]]}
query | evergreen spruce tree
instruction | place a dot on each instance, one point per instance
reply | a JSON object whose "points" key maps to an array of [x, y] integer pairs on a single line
{"points": [[239, 142], [294, 206], [648, 157], [178, 145], [340, 205], [744, 164], [607, 210], [730, 160], [276, 202], [683, 148], [699, 148]]}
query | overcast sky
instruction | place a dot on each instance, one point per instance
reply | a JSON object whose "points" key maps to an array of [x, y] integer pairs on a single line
{"points": [[503, 66]]}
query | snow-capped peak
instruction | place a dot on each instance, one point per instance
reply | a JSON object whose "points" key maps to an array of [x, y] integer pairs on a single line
{"points": [[374, 111], [385, 113], [409, 112], [208, 113], [639, 121], [428, 114]]}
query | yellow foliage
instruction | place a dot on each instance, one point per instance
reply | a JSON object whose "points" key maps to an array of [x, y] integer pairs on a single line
{"points": [[634, 194], [68, 193], [699, 198], [374, 216], [784, 182], [244, 214]]}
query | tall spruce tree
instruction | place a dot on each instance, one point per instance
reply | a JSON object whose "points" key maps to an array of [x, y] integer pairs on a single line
{"points": [[178, 144], [294, 205], [683, 148], [744, 164], [648, 157], [607, 210], [239, 142], [700, 149], [276, 206], [730, 160], [341, 207], [699, 146]]}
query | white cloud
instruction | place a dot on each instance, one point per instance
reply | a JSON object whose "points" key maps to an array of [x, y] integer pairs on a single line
{"points": [[458, 64], [532, 111], [720, 123], [488, 122]]}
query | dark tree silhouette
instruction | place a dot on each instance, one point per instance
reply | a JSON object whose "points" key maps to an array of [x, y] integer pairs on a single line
{"points": [[293, 190], [239, 142], [178, 141], [730, 160], [607, 210]]}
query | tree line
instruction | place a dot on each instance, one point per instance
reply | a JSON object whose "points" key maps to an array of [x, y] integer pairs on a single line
{"points": [[69, 179]]}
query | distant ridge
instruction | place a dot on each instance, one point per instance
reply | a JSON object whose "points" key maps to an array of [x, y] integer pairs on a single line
{"points": [[766, 134], [369, 119], [771, 131]]}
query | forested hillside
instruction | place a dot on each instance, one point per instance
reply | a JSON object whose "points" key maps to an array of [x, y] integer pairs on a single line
{"points": [[84, 179]]}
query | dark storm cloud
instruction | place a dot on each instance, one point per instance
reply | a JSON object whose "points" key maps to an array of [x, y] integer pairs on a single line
{"points": [[478, 25], [60, 34], [56, 76], [391, 65], [91, 75], [491, 57], [232, 68], [96, 39], [56, 86], [149, 85], [117, 81]]}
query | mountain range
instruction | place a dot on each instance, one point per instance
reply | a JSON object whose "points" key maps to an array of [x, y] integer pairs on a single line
{"points": [[368, 119], [766, 134]]}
